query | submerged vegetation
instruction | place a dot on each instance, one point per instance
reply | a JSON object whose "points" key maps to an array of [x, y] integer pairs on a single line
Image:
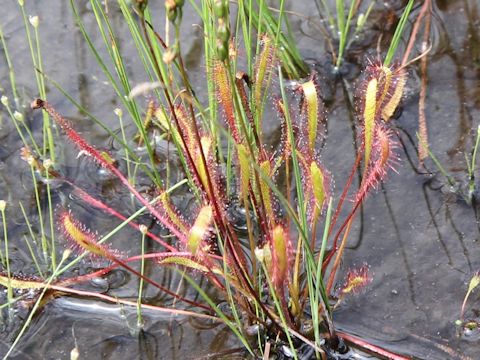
{"points": [[258, 220]]}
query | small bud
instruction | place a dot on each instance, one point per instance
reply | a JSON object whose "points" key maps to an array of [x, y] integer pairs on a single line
{"points": [[169, 56], [474, 282], [260, 254], [143, 229], [66, 254], [171, 8], [3, 205], [222, 50], [172, 15], [141, 5], [361, 20], [170, 5], [74, 354], [222, 32], [232, 51], [219, 9], [264, 255], [33, 21], [18, 116], [4, 100], [118, 112]]}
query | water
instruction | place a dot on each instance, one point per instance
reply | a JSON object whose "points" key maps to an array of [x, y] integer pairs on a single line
{"points": [[419, 238]]}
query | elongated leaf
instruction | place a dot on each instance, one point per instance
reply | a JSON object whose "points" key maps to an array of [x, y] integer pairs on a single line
{"points": [[199, 229], [311, 102], [369, 117]]}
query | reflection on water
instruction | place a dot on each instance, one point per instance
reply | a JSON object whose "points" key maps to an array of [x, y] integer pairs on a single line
{"points": [[105, 331], [419, 237]]}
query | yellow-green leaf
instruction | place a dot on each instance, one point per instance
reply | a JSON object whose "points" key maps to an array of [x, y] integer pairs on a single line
{"points": [[20, 284], [199, 229], [243, 160], [392, 103], [318, 186], [280, 253], [311, 101], [369, 117], [265, 189]]}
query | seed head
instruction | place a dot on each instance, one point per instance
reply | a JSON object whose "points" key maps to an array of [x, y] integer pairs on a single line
{"points": [[118, 112], [34, 21], [143, 229], [18, 116], [169, 56], [66, 254]]}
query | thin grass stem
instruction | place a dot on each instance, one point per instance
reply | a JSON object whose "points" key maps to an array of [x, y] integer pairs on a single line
{"points": [[37, 305], [280, 312], [32, 235], [140, 283], [38, 204], [53, 251], [398, 33], [11, 71], [5, 257]]}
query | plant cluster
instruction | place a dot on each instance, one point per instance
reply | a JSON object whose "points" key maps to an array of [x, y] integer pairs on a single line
{"points": [[279, 275]]}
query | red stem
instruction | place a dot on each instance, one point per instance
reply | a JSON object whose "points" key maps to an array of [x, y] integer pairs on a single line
{"points": [[102, 206], [83, 145], [339, 207], [364, 345], [345, 189]]}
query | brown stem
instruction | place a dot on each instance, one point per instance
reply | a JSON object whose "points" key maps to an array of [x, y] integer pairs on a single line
{"points": [[344, 195], [422, 122], [411, 42], [331, 278]]}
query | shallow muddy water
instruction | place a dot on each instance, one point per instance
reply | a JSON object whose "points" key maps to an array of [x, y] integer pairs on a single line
{"points": [[417, 234]]}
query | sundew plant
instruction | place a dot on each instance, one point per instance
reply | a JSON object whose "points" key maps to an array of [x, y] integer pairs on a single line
{"points": [[277, 270]]}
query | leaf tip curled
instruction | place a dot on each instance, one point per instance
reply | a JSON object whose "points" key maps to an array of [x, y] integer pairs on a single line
{"points": [[313, 109], [20, 282], [474, 281], [37, 104], [356, 280], [79, 236], [198, 232]]}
